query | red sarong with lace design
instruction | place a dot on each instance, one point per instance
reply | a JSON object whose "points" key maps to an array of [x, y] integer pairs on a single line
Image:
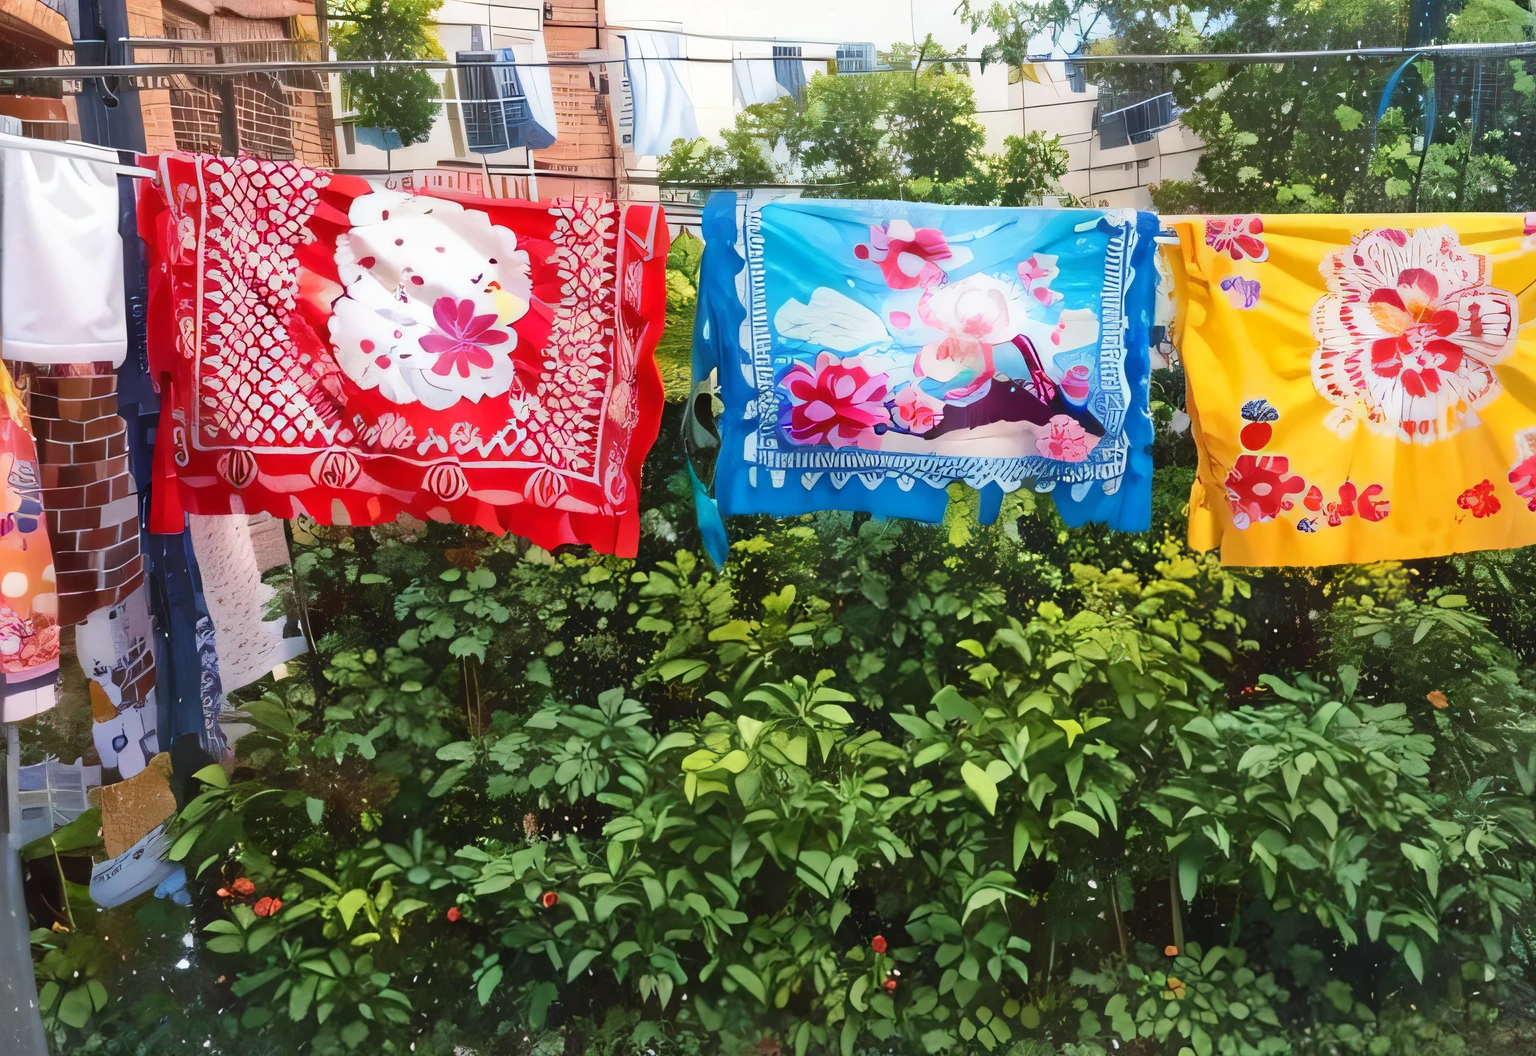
{"points": [[329, 348]]}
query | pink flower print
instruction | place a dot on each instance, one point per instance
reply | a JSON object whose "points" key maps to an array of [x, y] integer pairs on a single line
{"points": [[916, 411], [1409, 333], [1523, 476], [1237, 237], [838, 403], [1530, 223], [1036, 274], [1259, 487], [460, 337], [909, 258], [1065, 439]]}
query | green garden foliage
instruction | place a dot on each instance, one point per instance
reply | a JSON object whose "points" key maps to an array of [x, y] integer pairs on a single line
{"points": [[875, 787]]}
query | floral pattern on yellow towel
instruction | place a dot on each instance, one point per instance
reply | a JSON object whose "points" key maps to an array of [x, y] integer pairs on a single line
{"points": [[1361, 387]]}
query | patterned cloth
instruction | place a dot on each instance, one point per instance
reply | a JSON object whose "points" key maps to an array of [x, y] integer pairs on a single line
{"points": [[1361, 386], [870, 353], [29, 602], [350, 353]]}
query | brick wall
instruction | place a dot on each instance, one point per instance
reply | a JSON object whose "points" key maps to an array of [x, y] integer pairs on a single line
{"points": [[584, 160]]}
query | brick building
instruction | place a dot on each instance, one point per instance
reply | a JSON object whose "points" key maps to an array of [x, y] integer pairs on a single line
{"points": [[278, 115], [34, 34]]}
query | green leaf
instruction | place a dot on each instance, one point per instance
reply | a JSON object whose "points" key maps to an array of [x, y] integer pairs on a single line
{"points": [[748, 980], [579, 963], [349, 904], [1427, 861], [1325, 814], [488, 983], [985, 897], [316, 809], [1189, 876], [1083, 821], [1348, 117], [212, 774], [300, 996], [978, 782], [75, 1009], [624, 950], [1414, 959]]}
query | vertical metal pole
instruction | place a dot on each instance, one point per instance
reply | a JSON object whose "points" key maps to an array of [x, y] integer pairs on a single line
{"points": [[21, 1022]]}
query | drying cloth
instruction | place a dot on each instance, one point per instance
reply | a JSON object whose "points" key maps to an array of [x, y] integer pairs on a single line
{"points": [[662, 90], [757, 80], [1363, 388], [61, 298], [29, 604], [871, 353], [114, 649], [249, 645], [88, 491], [349, 353], [269, 541], [538, 129]]}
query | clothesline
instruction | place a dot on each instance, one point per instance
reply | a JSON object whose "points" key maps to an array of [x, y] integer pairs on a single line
{"points": [[1484, 51]]}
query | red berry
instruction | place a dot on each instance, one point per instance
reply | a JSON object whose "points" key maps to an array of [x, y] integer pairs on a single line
{"points": [[453, 914], [1256, 434], [549, 900], [890, 984], [877, 944]]}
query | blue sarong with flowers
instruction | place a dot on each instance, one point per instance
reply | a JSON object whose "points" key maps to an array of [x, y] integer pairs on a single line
{"points": [[872, 353]]}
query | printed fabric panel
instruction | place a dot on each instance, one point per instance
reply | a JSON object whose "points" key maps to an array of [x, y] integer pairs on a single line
{"points": [[1362, 388], [29, 600], [347, 352], [871, 353]]}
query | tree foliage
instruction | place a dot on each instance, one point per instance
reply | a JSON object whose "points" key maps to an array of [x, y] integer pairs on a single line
{"points": [[389, 97], [912, 135]]}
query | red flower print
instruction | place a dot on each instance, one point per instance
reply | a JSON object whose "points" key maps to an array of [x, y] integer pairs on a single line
{"points": [[1523, 476], [1480, 499], [838, 403], [1259, 487], [909, 257], [460, 337], [549, 900], [1237, 237], [878, 944], [243, 887], [1408, 334], [454, 915], [267, 907]]}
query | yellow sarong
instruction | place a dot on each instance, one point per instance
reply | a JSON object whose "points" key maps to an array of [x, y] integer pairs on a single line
{"points": [[1360, 387]]}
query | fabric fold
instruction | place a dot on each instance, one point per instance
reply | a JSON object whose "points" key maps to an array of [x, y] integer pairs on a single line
{"points": [[349, 353], [870, 354], [1361, 388]]}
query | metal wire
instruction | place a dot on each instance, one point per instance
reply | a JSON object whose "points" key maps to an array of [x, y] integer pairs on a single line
{"points": [[1516, 49]]}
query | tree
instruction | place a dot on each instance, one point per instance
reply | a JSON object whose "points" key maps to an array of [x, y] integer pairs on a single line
{"points": [[909, 135], [398, 98]]}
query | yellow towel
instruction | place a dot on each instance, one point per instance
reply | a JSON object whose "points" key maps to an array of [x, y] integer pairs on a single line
{"points": [[1360, 387]]}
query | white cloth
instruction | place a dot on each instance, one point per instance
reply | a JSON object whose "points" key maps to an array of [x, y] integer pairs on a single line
{"points": [[248, 644], [662, 90], [534, 80], [61, 298], [755, 81]]}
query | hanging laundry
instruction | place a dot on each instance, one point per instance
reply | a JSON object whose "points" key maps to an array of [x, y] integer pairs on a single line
{"points": [[29, 602], [61, 298], [1361, 386], [756, 80], [249, 645], [507, 106], [115, 650], [350, 353], [662, 90], [892, 348]]}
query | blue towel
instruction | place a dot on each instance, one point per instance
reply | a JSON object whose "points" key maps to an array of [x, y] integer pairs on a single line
{"points": [[875, 352]]}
